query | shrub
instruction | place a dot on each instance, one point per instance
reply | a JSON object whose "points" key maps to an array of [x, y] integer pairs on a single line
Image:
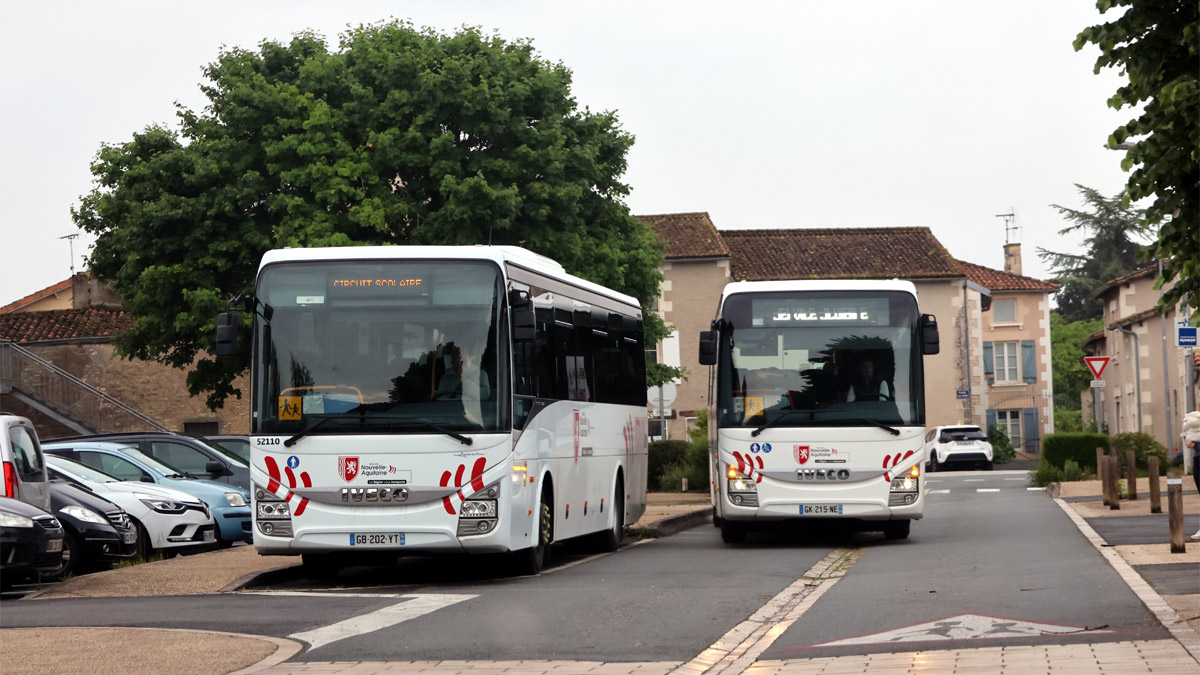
{"points": [[1081, 447], [672, 477], [1143, 445], [1071, 471], [1043, 474], [1068, 420], [663, 454], [1002, 448]]}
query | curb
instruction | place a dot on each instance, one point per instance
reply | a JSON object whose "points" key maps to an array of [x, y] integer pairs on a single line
{"points": [[672, 525], [266, 576]]}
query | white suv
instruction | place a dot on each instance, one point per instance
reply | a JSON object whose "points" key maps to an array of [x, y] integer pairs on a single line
{"points": [[960, 445]]}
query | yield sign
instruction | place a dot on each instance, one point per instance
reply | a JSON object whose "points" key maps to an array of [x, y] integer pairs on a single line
{"points": [[1097, 364]]}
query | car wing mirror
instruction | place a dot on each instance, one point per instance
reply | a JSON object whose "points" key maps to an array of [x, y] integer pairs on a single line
{"points": [[215, 468]]}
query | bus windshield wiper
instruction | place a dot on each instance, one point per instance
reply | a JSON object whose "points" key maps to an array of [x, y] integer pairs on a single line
{"points": [[891, 430], [395, 420], [307, 430], [773, 421]]}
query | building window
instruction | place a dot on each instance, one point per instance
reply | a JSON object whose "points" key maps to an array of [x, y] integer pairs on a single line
{"points": [[201, 428], [1007, 367], [1010, 422], [1004, 311]]}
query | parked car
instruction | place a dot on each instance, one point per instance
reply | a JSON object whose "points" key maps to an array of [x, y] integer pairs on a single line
{"points": [[185, 454], [230, 506], [955, 446], [31, 542], [23, 465], [166, 519], [237, 444], [96, 532]]}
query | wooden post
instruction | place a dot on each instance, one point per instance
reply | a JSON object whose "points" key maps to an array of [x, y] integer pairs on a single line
{"points": [[1155, 490], [1100, 474], [1114, 487], [1175, 509], [1131, 473]]}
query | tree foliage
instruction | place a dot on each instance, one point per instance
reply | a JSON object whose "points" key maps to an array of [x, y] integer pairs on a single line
{"points": [[1113, 230], [397, 136], [1156, 44], [1071, 374]]}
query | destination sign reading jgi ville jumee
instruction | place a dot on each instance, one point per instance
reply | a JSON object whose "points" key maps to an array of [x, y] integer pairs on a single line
{"points": [[820, 312]]}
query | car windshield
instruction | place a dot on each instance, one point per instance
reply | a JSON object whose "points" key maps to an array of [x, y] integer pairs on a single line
{"points": [[962, 434], [150, 463], [224, 452], [238, 446], [79, 471]]}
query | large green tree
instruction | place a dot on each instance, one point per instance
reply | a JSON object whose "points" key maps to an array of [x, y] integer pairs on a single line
{"points": [[1071, 375], [1156, 44], [1113, 230], [398, 136]]}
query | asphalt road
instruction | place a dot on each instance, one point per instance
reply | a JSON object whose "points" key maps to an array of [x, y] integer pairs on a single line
{"points": [[1005, 556]]}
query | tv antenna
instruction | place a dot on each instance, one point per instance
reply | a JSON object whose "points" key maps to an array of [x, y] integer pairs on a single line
{"points": [[1010, 228], [71, 240]]}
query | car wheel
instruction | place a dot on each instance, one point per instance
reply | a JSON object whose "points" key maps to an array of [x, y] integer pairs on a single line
{"points": [[933, 463], [144, 549], [71, 554], [896, 529], [530, 561], [732, 533], [989, 465]]}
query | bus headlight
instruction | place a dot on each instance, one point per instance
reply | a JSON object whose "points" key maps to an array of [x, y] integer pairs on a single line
{"points": [[479, 512], [272, 515], [905, 489], [742, 489], [274, 511]]}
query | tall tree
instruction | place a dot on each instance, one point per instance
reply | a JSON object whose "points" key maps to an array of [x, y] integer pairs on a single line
{"points": [[398, 136], [1113, 230], [1071, 375], [1156, 44]]}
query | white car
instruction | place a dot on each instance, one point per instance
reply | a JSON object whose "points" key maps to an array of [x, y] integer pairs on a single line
{"points": [[955, 446], [167, 519]]}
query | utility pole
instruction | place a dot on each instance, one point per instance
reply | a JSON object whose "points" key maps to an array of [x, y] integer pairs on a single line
{"points": [[1171, 434], [71, 240]]}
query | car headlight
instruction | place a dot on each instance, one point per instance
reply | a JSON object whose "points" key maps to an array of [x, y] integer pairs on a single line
{"points": [[235, 499], [159, 504], [86, 515], [14, 520]]}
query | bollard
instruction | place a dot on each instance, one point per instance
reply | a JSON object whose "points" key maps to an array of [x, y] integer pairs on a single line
{"points": [[1100, 474], [1114, 487], [685, 484], [1131, 473], [1175, 509], [1155, 490]]}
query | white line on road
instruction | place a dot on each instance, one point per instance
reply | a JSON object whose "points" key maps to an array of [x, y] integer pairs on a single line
{"points": [[1036, 489], [940, 492], [413, 607], [972, 480], [987, 489], [1022, 478], [738, 649]]}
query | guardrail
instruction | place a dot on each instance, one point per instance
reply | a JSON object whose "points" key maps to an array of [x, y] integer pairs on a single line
{"points": [[27, 373]]}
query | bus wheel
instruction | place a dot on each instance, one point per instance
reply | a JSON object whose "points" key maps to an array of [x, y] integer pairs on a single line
{"points": [[531, 560], [320, 566], [732, 533], [610, 539], [896, 529]]}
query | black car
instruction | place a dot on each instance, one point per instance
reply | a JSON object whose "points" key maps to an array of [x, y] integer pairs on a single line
{"points": [[96, 531], [31, 542], [185, 454]]}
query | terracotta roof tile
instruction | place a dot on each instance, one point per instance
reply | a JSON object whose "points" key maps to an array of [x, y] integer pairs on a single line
{"points": [[996, 280], [64, 324], [1146, 270], [843, 253], [687, 235], [35, 296]]}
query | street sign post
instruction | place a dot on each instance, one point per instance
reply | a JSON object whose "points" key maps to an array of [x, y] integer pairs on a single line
{"points": [[1097, 364]]}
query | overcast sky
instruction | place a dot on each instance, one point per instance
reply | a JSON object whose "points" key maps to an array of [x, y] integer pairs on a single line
{"points": [[765, 115]]}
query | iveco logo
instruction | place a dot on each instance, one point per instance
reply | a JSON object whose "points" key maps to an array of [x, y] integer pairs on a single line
{"points": [[374, 494], [822, 474]]}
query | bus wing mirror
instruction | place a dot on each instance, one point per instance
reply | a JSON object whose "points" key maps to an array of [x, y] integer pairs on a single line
{"points": [[524, 327], [930, 343], [708, 347], [227, 334]]}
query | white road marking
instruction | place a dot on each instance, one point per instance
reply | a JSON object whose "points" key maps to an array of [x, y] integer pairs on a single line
{"points": [[939, 492], [413, 607], [962, 627], [1036, 489], [972, 480], [325, 594], [931, 480], [738, 649], [1016, 479], [987, 489]]}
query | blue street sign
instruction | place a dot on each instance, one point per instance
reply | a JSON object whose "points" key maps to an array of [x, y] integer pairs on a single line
{"points": [[1185, 334], [963, 393]]}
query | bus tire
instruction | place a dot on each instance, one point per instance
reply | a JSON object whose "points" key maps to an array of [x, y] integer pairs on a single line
{"points": [[897, 529], [320, 566], [732, 533], [530, 561], [608, 540]]}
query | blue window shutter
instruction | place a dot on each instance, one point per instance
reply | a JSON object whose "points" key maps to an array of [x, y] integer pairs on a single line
{"points": [[988, 361], [1028, 361], [1032, 432], [991, 418]]}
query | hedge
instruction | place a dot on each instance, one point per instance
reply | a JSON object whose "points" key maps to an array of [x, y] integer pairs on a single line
{"points": [[662, 455], [1081, 447], [1142, 445]]}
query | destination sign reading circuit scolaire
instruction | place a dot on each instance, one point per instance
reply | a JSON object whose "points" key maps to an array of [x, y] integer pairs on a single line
{"points": [[377, 283], [820, 312]]}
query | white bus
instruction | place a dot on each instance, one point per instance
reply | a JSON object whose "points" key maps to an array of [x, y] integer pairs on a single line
{"points": [[817, 404], [424, 399]]}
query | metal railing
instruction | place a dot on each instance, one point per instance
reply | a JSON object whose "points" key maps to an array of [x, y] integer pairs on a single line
{"points": [[37, 378]]}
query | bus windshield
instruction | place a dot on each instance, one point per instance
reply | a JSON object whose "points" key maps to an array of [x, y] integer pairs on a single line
{"points": [[380, 347], [820, 358]]}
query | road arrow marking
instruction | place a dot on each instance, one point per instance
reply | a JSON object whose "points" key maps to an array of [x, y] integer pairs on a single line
{"points": [[413, 607], [962, 627]]}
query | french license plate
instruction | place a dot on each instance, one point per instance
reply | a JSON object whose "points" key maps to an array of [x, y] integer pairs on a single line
{"points": [[208, 535], [384, 539], [820, 509], [129, 537], [964, 442], [54, 546]]}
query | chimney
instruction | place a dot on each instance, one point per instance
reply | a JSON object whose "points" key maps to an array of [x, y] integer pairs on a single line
{"points": [[1012, 258]]}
